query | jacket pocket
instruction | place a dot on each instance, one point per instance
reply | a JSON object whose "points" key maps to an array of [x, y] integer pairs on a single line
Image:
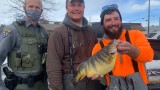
{"points": [[29, 52]]}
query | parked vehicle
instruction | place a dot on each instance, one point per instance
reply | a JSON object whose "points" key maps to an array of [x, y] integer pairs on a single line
{"points": [[152, 67], [154, 35]]}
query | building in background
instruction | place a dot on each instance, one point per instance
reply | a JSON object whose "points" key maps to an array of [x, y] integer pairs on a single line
{"points": [[128, 26], [153, 29], [97, 27], [51, 26]]}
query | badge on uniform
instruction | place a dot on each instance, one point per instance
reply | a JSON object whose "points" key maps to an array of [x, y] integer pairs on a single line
{"points": [[6, 32]]}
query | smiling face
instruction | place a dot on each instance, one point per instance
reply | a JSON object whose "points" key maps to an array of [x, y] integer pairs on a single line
{"points": [[112, 25], [75, 10]]}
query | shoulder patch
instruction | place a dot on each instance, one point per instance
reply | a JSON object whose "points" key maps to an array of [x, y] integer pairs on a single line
{"points": [[5, 32]]}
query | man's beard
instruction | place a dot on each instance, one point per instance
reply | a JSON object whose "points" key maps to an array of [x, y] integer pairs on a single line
{"points": [[113, 35]]}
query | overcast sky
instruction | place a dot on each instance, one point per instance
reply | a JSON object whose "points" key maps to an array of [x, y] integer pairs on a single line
{"points": [[133, 11]]}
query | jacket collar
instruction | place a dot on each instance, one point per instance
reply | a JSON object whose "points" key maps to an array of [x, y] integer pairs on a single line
{"points": [[27, 24]]}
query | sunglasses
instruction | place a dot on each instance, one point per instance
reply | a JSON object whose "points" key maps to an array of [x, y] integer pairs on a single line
{"points": [[107, 7]]}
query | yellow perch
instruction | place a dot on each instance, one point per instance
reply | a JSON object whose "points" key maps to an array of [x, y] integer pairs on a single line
{"points": [[99, 64]]}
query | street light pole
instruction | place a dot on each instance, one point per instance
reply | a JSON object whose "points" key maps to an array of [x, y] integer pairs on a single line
{"points": [[148, 16], [159, 22]]}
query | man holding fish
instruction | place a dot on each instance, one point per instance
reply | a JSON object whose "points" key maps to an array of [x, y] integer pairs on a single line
{"points": [[133, 49]]}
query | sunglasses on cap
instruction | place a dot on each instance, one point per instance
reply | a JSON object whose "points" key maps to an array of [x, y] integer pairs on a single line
{"points": [[107, 7], [82, 1]]}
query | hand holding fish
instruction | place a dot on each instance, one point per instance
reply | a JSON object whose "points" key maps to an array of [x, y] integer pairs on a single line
{"points": [[124, 47], [96, 77]]}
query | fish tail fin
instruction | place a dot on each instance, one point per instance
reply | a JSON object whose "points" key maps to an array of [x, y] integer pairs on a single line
{"points": [[74, 82]]}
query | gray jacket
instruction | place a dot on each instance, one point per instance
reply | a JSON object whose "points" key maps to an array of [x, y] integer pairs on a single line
{"points": [[8, 39]]}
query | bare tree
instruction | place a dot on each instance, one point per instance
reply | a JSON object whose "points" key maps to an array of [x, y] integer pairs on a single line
{"points": [[16, 7]]}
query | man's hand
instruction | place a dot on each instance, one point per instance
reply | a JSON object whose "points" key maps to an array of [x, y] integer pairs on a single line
{"points": [[96, 77], [124, 47]]}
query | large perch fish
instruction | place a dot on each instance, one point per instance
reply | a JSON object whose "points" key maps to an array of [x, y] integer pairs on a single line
{"points": [[99, 64]]}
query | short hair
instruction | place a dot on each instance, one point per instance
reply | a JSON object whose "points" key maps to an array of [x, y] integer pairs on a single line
{"points": [[25, 1]]}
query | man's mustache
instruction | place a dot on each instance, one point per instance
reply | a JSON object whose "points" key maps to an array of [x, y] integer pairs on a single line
{"points": [[113, 26]]}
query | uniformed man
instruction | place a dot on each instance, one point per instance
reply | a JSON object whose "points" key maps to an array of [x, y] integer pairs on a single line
{"points": [[24, 43]]}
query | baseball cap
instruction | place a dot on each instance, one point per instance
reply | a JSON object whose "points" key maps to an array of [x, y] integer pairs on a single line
{"points": [[69, 1], [108, 7]]}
